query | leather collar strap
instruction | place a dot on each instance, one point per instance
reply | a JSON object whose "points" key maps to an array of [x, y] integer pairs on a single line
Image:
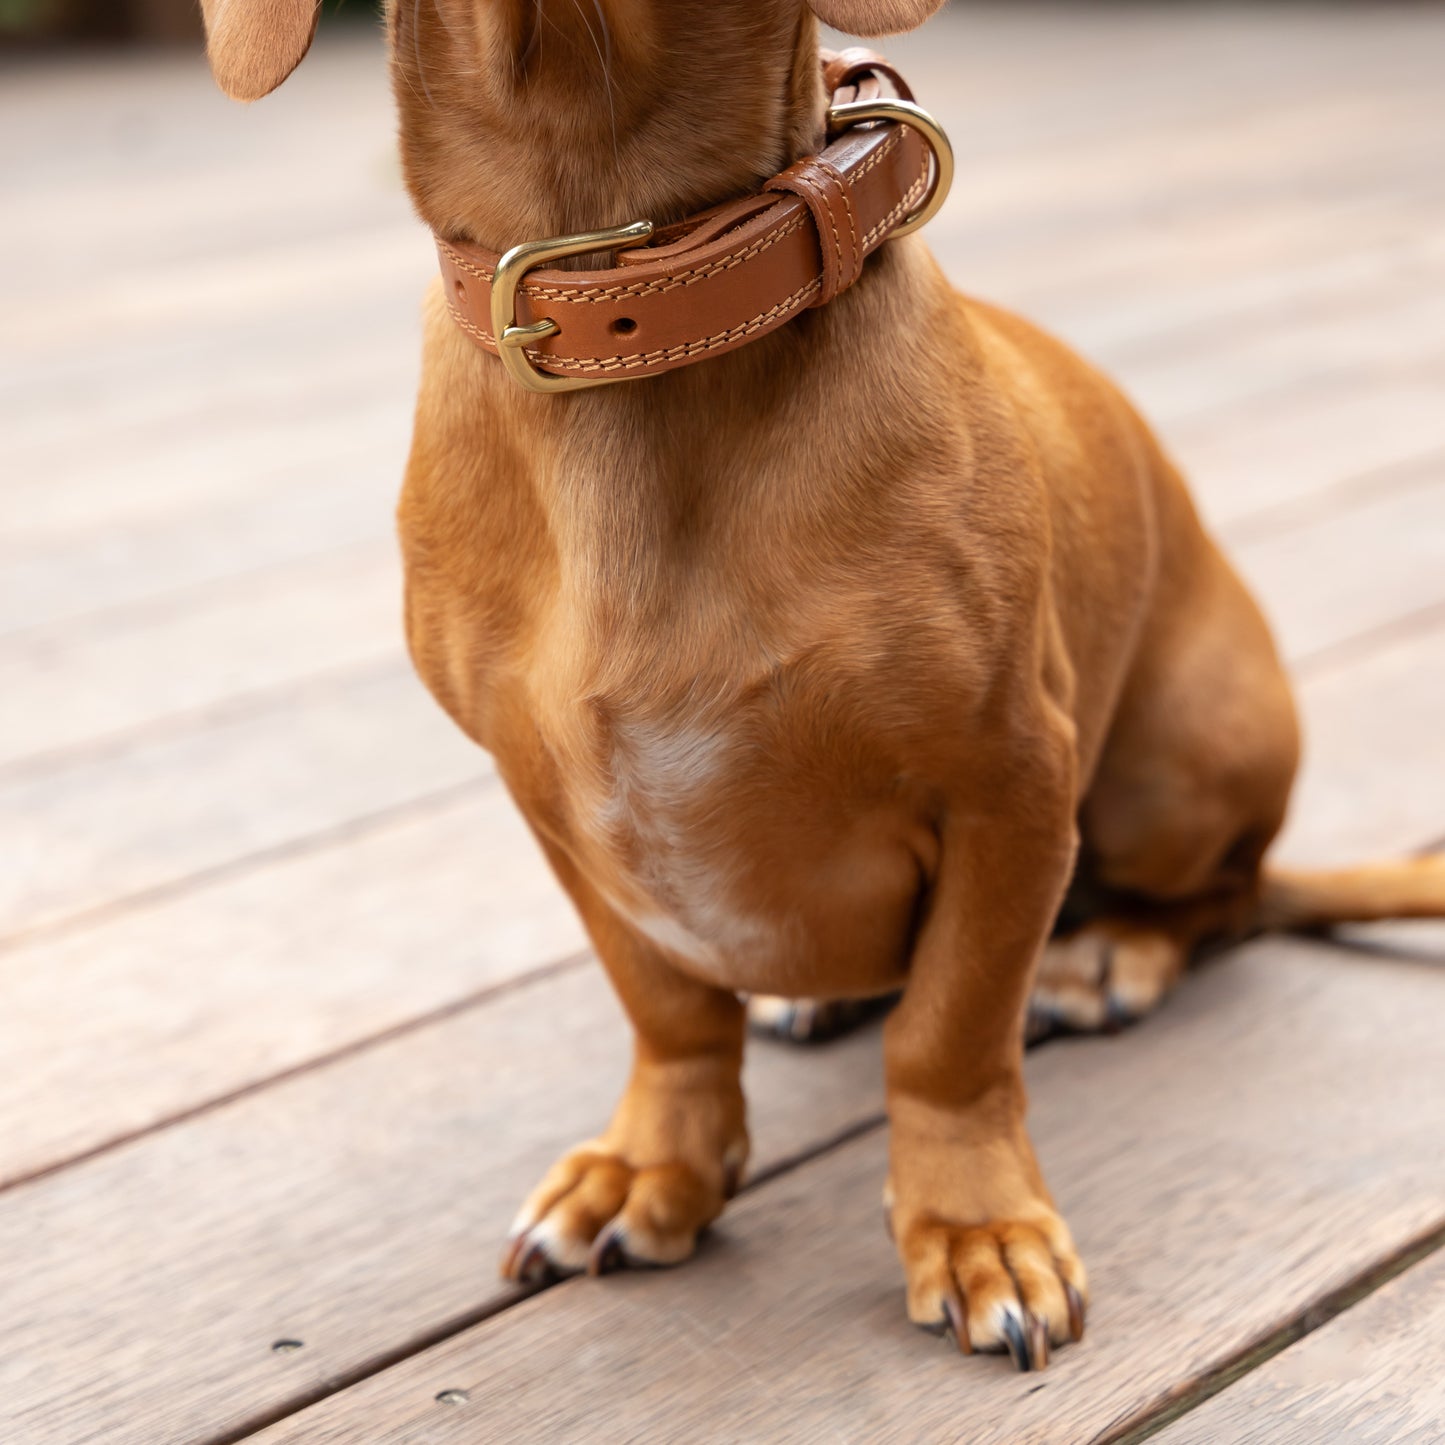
{"points": [[719, 279]]}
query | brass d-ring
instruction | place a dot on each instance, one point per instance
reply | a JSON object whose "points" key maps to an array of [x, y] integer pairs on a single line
{"points": [[852, 112]]}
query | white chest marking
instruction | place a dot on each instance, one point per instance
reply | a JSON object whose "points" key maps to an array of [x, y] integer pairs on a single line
{"points": [[665, 789]]}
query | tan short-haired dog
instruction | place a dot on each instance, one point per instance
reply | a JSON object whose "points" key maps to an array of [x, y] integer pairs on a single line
{"points": [[821, 666]]}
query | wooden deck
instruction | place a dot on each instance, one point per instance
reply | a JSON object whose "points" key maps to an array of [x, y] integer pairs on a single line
{"points": [[291, 1014]]}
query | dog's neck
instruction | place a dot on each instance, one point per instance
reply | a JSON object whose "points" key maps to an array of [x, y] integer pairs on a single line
{"points": [[522, 119], [507, 134]]}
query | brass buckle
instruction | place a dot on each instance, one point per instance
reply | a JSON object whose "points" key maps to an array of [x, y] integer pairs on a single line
{"points": [[512, 340], [852, 112]]}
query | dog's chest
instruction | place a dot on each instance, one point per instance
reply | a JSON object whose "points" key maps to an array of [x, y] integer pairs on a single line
{"points": [[664, 813], [744, 775], [738, 836]]}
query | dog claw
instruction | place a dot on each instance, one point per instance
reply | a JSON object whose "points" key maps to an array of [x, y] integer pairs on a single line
{"points": [[953, 1313], [1076, 1312], [1018, 1345], [535, 1267], [1038, 1343], [608, 1253]]}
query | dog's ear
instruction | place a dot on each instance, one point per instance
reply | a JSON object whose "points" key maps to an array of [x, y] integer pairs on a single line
{"points": [[255, 44], [874, 17]]}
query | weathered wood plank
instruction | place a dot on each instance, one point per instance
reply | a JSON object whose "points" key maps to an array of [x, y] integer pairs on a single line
{"points": [[187, 452], [355, 1207], [108, 1030], [268, 135], [1017, 159], [1369, 1376], [1223, 264], [239, 406], [246, 520], [1338, 329], [117, 671], [288, 513], [1206, 1203], [192, 513], [1352, 568], [1053, 73], [153, 149], [159, 809], [1372, 782], [1283, 447]]}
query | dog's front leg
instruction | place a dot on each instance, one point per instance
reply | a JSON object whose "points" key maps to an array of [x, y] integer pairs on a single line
{"points": [[984, 1251], [674, 1152]]}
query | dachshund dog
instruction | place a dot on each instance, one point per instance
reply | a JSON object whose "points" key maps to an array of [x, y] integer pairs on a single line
{"points": [[820, 668]]}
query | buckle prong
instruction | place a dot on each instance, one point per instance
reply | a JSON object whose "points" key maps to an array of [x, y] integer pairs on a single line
{"points": [[512, 339], [519, 336], [853, 112]]}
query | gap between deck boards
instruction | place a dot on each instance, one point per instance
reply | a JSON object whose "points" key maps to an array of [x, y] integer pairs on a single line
{"points": [[469, 1319], [356, 826], [488, 993], [1137, 1427], [1305, 1322]]}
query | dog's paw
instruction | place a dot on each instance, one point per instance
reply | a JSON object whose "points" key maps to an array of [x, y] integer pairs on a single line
{"points": [[595, 1212], [811, 1020], [1004, 1285], [1100, 979]]}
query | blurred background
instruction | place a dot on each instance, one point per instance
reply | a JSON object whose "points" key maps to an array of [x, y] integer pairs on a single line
{"points": [[89, 20], [291, 1013]]}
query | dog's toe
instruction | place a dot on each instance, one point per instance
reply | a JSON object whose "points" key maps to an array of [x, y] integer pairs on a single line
{"points": [[596, 1213], [1005, 1286], [1101, 979]]}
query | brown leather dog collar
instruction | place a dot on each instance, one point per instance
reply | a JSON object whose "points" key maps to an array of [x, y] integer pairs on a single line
{"points": [[721, 278]]}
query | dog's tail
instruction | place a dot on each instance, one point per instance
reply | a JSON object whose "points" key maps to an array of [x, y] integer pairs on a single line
{"points": [[1409, 888]]}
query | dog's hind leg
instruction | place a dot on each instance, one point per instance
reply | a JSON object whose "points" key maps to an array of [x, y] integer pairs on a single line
{"points": [[1102, 976], [1189, 793], [812, 1020]]}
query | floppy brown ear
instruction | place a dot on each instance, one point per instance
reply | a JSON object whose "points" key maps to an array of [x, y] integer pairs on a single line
{"points": [[255, 44], [874, 17]]}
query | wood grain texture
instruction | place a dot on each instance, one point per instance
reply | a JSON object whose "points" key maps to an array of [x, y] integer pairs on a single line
{"points": [[1256, 1144], [166, 807], [1370, 1376], [1284, 447], [1350, 570], [277, 511], [356, 1207], [183, 1001], [123, 670], [1372, 781]]}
